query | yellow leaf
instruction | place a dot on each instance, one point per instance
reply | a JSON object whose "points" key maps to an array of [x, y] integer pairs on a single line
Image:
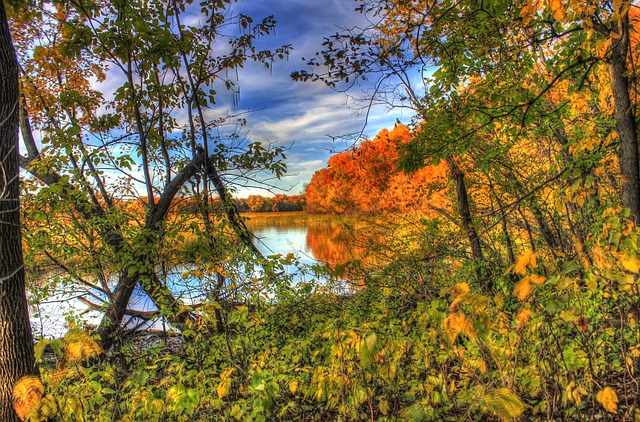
{"points": [[526, 258], [631, 264], [522, 289], [504, 404], [460, 289], [223, 389], [78, 346], [455, 305], [27, 393], [522, 317], [557, 10], [293, 386], [536, 279], [225, 384], [455, 324], [609, 399], [383, 405]]}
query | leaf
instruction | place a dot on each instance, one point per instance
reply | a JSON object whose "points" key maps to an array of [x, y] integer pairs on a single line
{"points": [[27, 393], [368, 349], [455, 324], [293, 386], [536, 279], [39, 349], [383, 405], [504, 404], [631, 264], [557, 10], [78, 346], [140, 377], [460, 289], [222, 389], [525, 259], [522, 317], [224, 385], [608, 399], [522, 289]]}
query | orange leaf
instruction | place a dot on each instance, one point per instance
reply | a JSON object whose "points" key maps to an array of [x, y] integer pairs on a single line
{"points": [[536, 279], [522, 289], [609, 399], [525, 259], [455, 324]]}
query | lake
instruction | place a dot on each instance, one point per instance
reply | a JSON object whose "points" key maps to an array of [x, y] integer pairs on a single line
{"points": [[311, 240]]}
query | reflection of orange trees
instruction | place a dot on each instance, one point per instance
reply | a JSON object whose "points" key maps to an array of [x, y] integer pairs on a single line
{"points": [[329, 243], [357, 248], [365, 179]]}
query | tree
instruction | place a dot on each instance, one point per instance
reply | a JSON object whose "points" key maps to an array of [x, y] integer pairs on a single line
{"points": [[496, 77], [365, 179], [16, 341], [101, 152]]}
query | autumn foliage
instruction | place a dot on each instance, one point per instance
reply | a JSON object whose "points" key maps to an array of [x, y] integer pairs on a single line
{"points": [[496, 277], [366, 179]]}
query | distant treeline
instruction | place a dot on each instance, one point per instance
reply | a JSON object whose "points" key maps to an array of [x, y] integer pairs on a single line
{"points": [[280, 202], [254, 203]]}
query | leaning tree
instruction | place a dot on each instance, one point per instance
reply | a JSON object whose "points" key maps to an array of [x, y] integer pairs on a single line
{"points": [[112, 166]]}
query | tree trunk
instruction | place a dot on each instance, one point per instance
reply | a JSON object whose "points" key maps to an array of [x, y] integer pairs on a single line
{"points": [[464, 210], [624, 115], [16, 341]]}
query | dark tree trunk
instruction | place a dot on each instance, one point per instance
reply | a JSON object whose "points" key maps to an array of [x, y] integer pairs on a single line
{"points": [[16, 341], [464, 210], [625, 120]]}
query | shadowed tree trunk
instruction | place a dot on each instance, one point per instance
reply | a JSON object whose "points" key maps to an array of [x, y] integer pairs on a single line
{"points": [[464, 209], [626, 124], [16, 341]]}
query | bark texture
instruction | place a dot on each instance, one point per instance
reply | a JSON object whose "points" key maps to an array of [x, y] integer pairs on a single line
{"points": [[464, 209], [16, 341], [626, 124]]}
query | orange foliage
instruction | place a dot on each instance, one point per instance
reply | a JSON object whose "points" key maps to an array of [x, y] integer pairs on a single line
{"points": [[365, 179]]}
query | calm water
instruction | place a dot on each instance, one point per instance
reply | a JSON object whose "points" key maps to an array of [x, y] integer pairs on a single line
{"points": [[310, 245]]}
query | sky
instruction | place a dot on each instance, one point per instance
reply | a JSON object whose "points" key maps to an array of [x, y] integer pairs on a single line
{"points": [[311, 120], [305, 117]]}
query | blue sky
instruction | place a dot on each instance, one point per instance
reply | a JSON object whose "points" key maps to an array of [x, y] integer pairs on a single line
{"points": [[308, 118], [303, 116]]}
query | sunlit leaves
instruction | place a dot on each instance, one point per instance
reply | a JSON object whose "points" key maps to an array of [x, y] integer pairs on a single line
{"points": [[525, 260], [456, 324], [522, 290], [27, 393], [79, 346], [608, 399], [225, 383], [365, 180], [504, 403]]}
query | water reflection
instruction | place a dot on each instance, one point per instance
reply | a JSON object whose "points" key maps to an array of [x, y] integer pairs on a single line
{"points": [[311, 242], [329, 243]]}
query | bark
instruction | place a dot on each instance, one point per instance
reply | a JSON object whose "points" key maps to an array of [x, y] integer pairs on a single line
{"points": [[464, 210], [624, 115], [503, 223], [16, 340]]}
